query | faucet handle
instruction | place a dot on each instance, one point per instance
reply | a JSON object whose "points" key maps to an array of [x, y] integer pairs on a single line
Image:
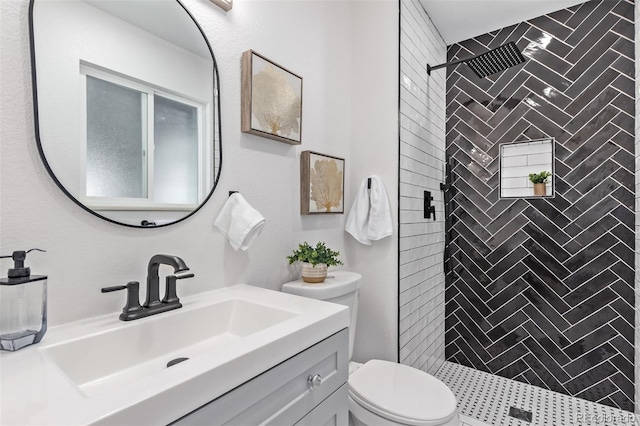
{"points": [[170, 294], [114, 288], [133, 299]]}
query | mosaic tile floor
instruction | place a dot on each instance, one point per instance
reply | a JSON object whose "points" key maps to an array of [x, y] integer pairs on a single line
{"points": [[485, 399], [468, 421]]}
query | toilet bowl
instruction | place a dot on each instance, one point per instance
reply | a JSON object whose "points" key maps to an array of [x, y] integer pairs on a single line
{"points": [[382, 393]]}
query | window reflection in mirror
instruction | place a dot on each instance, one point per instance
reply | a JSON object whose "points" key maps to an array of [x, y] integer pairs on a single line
{"points": [[520, 159], [127, 106], [143, 146], [116, 140]]}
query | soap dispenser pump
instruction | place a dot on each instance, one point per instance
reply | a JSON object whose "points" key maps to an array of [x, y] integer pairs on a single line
{"points": [[23, 305]]}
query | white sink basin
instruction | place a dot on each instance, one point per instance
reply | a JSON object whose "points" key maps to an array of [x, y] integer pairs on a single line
{"points": [[106, 371], [108, 360]]}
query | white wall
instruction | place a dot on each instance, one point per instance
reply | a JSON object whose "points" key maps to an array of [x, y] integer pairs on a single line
{"points": [[422, 165], [374, 150], [313, 39]]}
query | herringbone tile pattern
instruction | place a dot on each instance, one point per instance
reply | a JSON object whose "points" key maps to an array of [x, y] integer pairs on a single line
{"points": [[543, 288]]}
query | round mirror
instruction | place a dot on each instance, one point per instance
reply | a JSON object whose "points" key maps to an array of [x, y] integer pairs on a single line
{"points": [[127, 107]]}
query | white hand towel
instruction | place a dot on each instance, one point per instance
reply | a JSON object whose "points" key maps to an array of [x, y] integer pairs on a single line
{"points": [[239, 222], [380, 223], [357, 221], [370, 217]]}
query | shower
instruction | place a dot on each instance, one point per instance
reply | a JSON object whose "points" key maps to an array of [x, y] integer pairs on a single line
{"points": [[488, 63]]}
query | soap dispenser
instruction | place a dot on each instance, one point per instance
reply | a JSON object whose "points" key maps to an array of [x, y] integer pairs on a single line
{"points": [[23, 305]]}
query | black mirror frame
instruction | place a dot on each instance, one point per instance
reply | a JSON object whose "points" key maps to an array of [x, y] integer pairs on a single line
{"points": [[217, 115]]}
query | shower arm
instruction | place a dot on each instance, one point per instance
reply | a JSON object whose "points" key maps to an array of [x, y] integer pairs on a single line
{"points": [[448, 64]]}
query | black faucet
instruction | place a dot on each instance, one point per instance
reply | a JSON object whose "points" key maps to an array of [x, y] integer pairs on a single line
{"points": [[153, 280], [153, 305]]}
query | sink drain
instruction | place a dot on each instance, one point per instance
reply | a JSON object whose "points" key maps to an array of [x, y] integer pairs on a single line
{"points": [[175, 361]]}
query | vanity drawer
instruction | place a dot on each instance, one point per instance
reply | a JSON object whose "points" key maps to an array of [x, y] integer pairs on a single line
{"points": [[333, 411], [281, 395]]}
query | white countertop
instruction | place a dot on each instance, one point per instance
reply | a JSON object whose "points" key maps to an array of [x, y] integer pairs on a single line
{"points": [[35, 391]]}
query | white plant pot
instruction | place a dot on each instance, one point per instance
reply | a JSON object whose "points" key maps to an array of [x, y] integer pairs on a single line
{"points": [[313, 274]]}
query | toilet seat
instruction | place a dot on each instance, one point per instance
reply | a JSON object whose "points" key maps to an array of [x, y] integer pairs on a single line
{"points": [[402, 394]]}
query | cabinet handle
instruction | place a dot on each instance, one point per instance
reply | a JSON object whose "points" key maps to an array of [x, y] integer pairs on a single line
{"points": [[315, 381]]}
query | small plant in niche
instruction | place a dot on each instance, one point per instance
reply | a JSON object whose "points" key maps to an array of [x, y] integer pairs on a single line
{"points": [[542, 177], [539, 181], [315, 261]]}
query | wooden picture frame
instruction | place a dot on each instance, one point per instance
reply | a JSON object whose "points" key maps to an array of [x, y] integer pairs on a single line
{"points": [[321, 183], [271, 100]]}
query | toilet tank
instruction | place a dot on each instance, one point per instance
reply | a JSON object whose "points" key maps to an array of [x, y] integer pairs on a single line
{"points": [[340, 287]]}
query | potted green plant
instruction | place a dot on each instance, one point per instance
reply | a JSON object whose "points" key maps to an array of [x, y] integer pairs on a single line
{"points": [[314, 261], [539, 181]]}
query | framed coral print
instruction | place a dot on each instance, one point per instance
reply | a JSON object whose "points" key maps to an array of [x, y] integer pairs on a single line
{"points": [[321, 183], [271, 100]]}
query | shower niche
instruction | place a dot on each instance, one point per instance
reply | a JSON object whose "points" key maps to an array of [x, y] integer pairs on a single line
{"points": [[527, 169]]}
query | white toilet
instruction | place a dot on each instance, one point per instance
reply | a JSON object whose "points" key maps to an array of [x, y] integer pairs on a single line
{"points": [[382, 393]]}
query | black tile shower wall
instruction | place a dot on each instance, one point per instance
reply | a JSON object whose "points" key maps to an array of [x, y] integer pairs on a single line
{"points": [[543, 288]]}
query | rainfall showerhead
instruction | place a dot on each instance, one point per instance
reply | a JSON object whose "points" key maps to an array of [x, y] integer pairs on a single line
{"points": [[491, 62]]}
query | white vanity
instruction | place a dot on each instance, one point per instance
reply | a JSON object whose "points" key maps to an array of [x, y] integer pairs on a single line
{"points": [[255, 356]]}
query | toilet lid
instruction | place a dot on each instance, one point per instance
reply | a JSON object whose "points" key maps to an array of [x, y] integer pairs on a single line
{"points": [[401, 393]]}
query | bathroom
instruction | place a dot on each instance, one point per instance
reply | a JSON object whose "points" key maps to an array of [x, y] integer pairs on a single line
{"points": [[359, 60]]}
